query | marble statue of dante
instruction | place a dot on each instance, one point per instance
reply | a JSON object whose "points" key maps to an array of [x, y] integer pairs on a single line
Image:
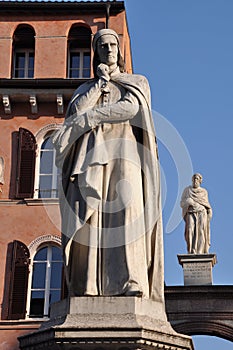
{"points": [[110, 195], [197, 214]]}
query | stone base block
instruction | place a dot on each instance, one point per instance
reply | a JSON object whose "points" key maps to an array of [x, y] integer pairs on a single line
{"points": [[197, 268], [106, 323]]}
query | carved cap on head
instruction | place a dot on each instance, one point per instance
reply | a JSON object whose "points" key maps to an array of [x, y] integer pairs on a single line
{"points": [[96, 60], [197, 175], [102, 32]]}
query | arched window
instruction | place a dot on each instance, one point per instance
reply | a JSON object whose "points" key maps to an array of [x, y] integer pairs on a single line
{"points": [[23, 52], [48, 173], [46, 280], [79, 52]]}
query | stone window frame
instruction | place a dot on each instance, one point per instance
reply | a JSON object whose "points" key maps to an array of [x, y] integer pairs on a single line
{"points": [[26, 68], [34, 247], [40, 137], [81, 68]]}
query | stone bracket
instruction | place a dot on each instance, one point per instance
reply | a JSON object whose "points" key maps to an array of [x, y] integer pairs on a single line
{"points": [[6, 104], [60, 104], [33, 103]]}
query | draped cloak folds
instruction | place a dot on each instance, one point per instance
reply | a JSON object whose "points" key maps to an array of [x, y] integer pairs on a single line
{"points": [[199, 210], [118, 245]]}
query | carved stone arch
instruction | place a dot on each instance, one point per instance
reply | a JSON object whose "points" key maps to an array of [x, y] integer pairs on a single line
{"points": [[43, 132], [206, 327], [201, 310], [39, 241]]}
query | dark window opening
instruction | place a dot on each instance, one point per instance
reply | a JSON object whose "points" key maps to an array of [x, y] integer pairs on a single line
{"points": [[23, 52], [79, 52]]}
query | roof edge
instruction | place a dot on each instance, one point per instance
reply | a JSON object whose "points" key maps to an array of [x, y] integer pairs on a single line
{"points": [[116, 6]]}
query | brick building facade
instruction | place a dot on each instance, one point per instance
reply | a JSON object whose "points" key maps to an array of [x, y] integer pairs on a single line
{"points": [[45, 54]]}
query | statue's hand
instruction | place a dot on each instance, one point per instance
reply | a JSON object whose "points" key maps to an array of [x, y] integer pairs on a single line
{"points": [[93, 119], [103, 71]]}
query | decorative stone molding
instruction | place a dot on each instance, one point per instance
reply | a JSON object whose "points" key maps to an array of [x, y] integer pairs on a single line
{"points": [[34, 245], [6, 104], [33, 103], [40, 135]]}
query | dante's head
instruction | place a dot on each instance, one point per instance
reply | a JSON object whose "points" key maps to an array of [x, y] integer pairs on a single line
{"points": [[106, 47], [196, 180]]}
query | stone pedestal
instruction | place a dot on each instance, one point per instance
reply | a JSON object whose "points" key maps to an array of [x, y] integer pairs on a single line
{"points": [[107, 323], [197, 268]]}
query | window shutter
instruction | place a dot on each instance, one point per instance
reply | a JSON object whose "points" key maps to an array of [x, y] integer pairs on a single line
{"points": [[7, 282], [26, 164], [18, 281]]}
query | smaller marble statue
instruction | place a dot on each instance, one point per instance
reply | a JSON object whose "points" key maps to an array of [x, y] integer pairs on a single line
{"points": [[197, 214]]}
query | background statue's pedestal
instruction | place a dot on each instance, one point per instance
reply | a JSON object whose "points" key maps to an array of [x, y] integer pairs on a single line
{"points": [[197, 268], [111, 323]]}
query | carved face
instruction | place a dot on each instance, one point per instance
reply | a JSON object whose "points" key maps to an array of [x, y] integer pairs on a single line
{"points": [[196, 181], [107, 49]]}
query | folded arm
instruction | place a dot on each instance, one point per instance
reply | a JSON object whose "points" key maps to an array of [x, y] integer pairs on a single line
{"points": [[88, 99], [123, 110]]}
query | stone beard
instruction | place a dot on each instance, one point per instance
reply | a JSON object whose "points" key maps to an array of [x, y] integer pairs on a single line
{"points": [[110, 195]]}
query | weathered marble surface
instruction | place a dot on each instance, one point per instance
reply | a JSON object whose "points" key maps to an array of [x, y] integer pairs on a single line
{"points": [[109, 323], [197, 214], [197, 268], [110, 198]]}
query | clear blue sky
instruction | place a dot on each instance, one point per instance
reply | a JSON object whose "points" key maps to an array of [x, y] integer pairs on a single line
{"points": [[185, 49]]}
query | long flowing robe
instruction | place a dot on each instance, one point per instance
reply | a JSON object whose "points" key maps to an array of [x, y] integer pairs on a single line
{"points": [[195, 204], [110, 196]]}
